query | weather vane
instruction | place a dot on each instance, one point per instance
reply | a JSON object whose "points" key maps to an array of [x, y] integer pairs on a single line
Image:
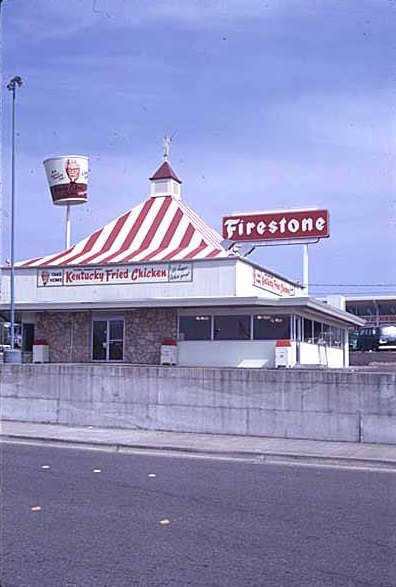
{"points": [[166, 144]]}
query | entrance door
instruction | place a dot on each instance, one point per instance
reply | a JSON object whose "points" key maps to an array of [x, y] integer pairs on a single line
{"points": [[108, 340]]}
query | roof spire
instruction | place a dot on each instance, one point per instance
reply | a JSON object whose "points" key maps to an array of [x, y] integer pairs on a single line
{"points": [[166, 145]]}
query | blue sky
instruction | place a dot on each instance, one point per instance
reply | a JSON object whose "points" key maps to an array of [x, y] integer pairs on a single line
{"points": [[273, 104]]}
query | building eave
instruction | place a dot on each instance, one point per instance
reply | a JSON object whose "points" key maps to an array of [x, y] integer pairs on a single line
{"points": [[291, 304]]}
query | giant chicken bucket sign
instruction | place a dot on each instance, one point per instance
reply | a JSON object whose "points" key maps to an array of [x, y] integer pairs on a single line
{"points": [[289, 225], [68, 179]]}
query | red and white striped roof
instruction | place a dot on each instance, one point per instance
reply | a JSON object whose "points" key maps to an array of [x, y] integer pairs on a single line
{"points": [[159, 229]]}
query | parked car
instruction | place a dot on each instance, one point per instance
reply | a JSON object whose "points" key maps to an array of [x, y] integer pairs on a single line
{"points": [[376, 338]]}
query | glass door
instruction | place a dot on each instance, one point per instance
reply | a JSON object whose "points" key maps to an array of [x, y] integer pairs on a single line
{"points": [[108, 340], [116, 340]]}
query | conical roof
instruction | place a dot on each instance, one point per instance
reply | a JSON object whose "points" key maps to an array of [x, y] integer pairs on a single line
{"points": [[165, 171], [158, 229]]}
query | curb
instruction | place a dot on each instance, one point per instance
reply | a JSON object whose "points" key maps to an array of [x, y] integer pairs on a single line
{"points": [[251, 456]]}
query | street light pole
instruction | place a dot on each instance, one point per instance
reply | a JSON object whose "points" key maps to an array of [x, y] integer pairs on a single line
{"points": [[1, 138], [15, 83]]}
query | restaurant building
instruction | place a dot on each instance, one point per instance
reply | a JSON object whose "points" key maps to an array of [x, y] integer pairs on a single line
{"points": [[157, 278]]}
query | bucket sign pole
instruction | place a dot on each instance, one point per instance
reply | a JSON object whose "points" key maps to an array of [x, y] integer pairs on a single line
{"points": [[68, 227]]}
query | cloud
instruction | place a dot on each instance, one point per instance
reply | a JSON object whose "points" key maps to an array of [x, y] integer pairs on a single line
{"points": [[65, 18], [277, 104], [363, 121]]}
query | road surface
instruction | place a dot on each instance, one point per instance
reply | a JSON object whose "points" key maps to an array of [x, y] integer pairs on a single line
{"points": [[85, 518]]}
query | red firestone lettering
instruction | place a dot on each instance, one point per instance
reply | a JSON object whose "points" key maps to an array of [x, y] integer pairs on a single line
{"points": [[298, 225]]}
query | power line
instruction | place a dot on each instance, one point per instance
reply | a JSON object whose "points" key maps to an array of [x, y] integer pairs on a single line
{"points": [[353, 284]]}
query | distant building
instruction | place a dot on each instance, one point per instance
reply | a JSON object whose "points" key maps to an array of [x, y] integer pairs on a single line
{"points": [[379, 309]]}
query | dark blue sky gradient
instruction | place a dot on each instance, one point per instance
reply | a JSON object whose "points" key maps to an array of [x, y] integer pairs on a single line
{"points": [[274, 104]]}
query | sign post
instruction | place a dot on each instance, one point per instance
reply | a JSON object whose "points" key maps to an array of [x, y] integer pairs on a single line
{"points": [[305, 269], [68, 226]]}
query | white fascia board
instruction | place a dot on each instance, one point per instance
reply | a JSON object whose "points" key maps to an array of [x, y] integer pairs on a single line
{"points": [[317, 306], [292, 304]]}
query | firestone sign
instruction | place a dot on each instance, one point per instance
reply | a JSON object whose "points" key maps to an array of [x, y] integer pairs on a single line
{"points": [[269, 226], [74, 276]]}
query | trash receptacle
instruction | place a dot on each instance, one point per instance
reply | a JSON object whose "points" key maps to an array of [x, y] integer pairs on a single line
{"points": [[283, 354], [40, 352], [169, 351]]}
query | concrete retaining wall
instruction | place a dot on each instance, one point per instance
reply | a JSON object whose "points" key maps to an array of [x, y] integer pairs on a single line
{"points": [[315, 404]]}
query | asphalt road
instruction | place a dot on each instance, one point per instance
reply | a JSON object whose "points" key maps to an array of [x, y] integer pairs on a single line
{"points": [[91, 518]]}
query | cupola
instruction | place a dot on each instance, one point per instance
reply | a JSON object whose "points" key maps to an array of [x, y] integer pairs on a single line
{"points": [[165, 182]]}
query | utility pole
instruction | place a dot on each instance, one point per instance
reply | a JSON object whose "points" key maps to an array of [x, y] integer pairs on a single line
{"points": [[1, 139], [14, 356]]}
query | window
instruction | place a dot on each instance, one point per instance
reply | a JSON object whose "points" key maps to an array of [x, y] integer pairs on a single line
{"points": [[308, 330], [297, 333], [27, 336], [317, 332], [195, 327], [336, 337], [116, 340], [388, 332], [231, 328], [161, 186], [267, 327]]}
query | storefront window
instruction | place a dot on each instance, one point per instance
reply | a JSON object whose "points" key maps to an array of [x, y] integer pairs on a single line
{"points": [[337, 337], [325, 335], [99, 340], [333, 336], [317, 332], [27, 337], [266, 327], [308, 330], [195, 327], [231, 328], [116, 340], [259, 327], [297, 331]]}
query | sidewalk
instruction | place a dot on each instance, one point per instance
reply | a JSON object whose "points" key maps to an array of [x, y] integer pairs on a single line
{"points": [[209, 445]]}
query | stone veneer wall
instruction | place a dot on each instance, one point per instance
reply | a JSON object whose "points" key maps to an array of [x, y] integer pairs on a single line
{"points": [[144, 330], [69, 334]]}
